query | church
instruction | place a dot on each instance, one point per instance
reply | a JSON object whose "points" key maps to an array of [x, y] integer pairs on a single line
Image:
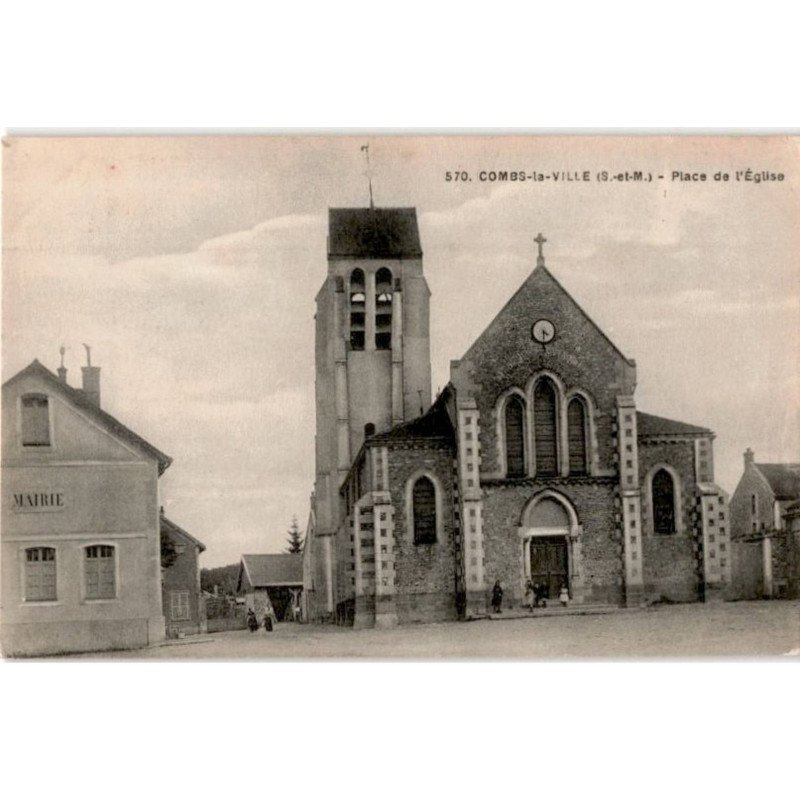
{"points": [[532, 466]]}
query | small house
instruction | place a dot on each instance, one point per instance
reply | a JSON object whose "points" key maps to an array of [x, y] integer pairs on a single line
{"points": [[272, 580]]}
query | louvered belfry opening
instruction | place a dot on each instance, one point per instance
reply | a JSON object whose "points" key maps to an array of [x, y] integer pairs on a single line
{"points": [[576, 436], [663, 502], [424, 502], [545, 428], [515, 438], [383, 309], [358, 307]]}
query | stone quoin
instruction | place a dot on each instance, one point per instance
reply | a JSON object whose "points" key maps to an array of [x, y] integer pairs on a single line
{"points": [[532, 466]]}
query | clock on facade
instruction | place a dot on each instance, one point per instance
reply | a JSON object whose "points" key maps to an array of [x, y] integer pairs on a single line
{"points": [[543, 331]]}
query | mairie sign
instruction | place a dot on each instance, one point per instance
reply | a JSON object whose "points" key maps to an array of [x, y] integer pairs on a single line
{"points": [[38, 501]]}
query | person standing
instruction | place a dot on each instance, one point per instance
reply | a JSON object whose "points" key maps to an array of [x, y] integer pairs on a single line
{"points": [[529, 595], [497, 598], [252, 622]]}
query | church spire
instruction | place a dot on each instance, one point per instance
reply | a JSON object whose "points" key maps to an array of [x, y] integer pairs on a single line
{"points": [[540, 240]]}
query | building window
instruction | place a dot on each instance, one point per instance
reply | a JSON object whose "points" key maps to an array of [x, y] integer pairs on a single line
{"points": [[383, 309], [100, 572], [545, 428], [424, 510], [369, 429], [576, 436], [40, 574], [35, 421], [515, 437], [663, 502], [179, 605], [358, 300]]}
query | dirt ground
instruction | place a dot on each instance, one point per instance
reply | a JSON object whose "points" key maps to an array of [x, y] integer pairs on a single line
{"points": [[729, 630]]}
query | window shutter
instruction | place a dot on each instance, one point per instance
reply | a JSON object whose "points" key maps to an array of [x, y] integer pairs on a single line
{"points": [[544, 411], [40, 574], [99, 571], [35, 421]]}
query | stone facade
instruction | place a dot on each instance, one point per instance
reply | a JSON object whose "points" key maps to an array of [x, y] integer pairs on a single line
{"points": [[544, 471]]}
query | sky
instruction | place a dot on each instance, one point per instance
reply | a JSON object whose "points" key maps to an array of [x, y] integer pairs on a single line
{"points": [[191, 266]]}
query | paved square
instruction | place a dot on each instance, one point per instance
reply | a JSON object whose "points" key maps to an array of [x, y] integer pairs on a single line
{"points": [[758, 629]]}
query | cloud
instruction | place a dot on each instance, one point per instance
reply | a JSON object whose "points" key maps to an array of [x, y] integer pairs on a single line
{"points": [[192, 269]]}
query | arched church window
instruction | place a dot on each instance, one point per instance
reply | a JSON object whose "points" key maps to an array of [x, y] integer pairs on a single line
{"points": [[358, 301], [545, 428], [424, 510], [515, 437], [576, 436], [369, 429], [383, 309], [663, 502]]}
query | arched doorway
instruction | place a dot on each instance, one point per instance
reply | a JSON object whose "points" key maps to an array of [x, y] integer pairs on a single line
{"points": [[551, 555]]}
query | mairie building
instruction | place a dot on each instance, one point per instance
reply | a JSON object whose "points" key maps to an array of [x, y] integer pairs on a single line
{"points": [[81, 556], [533, 464]]}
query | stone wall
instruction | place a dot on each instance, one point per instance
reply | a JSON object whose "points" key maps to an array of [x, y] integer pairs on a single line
{"points": [[670, 569], [425, 573], [680, 456], [748, 570], [505, 356], [593, 500]]}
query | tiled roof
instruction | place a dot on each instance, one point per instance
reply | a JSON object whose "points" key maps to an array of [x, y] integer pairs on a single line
{"points": [[651, 425], [274, 569], [103, 418], [373, 233], [168, 526], [783, 478]]}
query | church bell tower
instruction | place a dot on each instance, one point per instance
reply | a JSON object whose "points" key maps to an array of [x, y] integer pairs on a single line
{"points": [[372, 341]]}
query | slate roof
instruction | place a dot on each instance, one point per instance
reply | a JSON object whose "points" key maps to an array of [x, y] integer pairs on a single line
{"points": [[168, 526], [433, 424], [103, 418], [651, 425], [373, 233], [793, 509], [783, 478], [273, 569]]}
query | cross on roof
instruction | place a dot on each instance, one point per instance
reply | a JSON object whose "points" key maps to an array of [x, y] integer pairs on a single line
{"points": [[540, 240]]}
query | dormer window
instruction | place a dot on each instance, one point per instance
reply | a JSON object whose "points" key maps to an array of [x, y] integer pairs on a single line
{"points": [[35, 420]]}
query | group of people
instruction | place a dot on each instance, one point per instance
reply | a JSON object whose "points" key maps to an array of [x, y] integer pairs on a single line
{"points": [[252, 621], [536, 596]]}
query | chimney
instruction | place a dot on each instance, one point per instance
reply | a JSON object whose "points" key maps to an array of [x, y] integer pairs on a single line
{"points": [[749, 457], [91, 379], [62, 370]]}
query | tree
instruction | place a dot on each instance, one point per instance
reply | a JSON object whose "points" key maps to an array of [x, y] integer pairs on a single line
{"points": [[225, 577], [168, 552], [295, 540]]}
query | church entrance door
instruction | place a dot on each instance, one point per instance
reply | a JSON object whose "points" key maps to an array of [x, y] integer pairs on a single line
{"points": [[549, 564]]}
